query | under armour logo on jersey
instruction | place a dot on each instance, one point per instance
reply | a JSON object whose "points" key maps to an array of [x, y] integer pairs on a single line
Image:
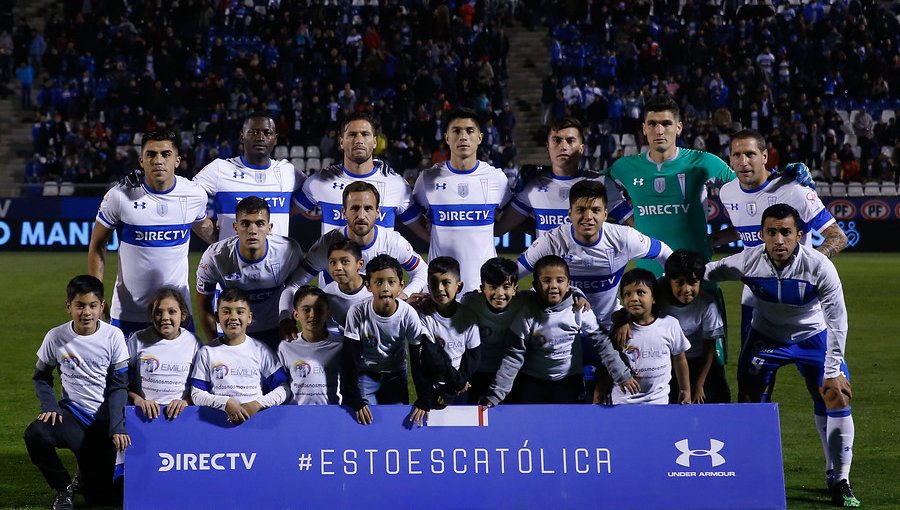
{"points": [[337, 185], [140, 205], [544, 189], [715, 446], [638, 182], [440, 186], [240, 175]]}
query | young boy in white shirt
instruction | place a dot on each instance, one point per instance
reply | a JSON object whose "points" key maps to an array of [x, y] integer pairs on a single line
{"points": [[378, 330], [236, 373], [89, 420]]}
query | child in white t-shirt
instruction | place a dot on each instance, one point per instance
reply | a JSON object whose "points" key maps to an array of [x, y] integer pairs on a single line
{"points": [[452, 352], [313, 360], [347, 288], [656, 346], [373, 368], [161, 357], [237, 373]]}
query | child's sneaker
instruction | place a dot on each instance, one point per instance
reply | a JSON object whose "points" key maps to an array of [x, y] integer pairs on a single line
{"points": [[63, 500]]}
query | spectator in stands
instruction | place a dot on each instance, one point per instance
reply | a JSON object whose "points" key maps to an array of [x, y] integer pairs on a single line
{"points": [[863, 123], [25, 75]]}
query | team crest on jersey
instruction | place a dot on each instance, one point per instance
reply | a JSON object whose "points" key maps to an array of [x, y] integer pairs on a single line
{"points": [[462, 189], [162, 208], [751, 208], [774, 200], [564, 193], [259, 177], [659, 184]]}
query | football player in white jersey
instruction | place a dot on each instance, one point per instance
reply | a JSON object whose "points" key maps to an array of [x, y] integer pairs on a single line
{"points": [[154, 220], [746, 197], [361, 211], [254, 172], [544, 194], [92, 361], [462, 196], [596, 251], [799, 317], [255, 261], [325, 188]]}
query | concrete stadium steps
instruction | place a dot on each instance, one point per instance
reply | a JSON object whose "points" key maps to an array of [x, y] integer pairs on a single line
{"points": [[15, 124], [528, 63]]}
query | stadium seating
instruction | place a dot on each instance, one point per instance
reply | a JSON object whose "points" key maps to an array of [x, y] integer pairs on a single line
{"points": [[281, 152], [51, 189], [313, 164], [872, 189], [299, 164], [66, 189], [312, 151], [297, 151], [327, 162], [838, 189], [855, 189], [887, 115], [823, 188]]}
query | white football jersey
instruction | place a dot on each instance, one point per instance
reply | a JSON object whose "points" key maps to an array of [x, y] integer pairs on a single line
{"points": [[326, 189], [339, 302], [383, 339], [163, 366], [313, 369], [458, 334], [246, 371], [598, 268], [155, 232], [650, 350], [461, 208], [262, 280], [84, 362], [228, 181], [546, 198], [700, 320], [795, 303], [745, 207]]}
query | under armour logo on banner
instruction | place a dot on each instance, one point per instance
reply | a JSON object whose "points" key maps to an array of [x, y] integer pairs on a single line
{"points": [[715, 446]]}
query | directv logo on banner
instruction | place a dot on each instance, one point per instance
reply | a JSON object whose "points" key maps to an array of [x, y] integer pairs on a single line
{"points": [[205, 461]]}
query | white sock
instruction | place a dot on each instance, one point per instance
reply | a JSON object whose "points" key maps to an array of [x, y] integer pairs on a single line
{"points": [[821, 425], [840, 432]]}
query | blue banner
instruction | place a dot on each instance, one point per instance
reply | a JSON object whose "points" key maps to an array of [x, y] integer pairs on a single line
{"points": [[528, 457]]}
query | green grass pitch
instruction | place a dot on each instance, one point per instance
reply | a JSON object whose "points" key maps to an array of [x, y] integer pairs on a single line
{"points": [[34, 294]]}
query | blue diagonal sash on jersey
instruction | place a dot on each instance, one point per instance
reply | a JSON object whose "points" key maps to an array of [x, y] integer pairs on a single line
{"points": [[157, 236], [462, 215], [788, 291], [593, 284], [548, 219], [750, 235], [332, 215], [279, 201]]}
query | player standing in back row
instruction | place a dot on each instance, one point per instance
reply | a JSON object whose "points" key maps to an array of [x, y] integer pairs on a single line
{"points": [[462, 196], [227, 181]]}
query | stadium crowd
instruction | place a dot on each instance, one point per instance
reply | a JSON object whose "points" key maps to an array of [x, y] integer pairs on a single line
{"points": [[821, 80], [103, 76]]}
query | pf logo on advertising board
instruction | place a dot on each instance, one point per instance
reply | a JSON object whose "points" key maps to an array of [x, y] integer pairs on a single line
{"points": [[842, 209], [875, 210]]}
